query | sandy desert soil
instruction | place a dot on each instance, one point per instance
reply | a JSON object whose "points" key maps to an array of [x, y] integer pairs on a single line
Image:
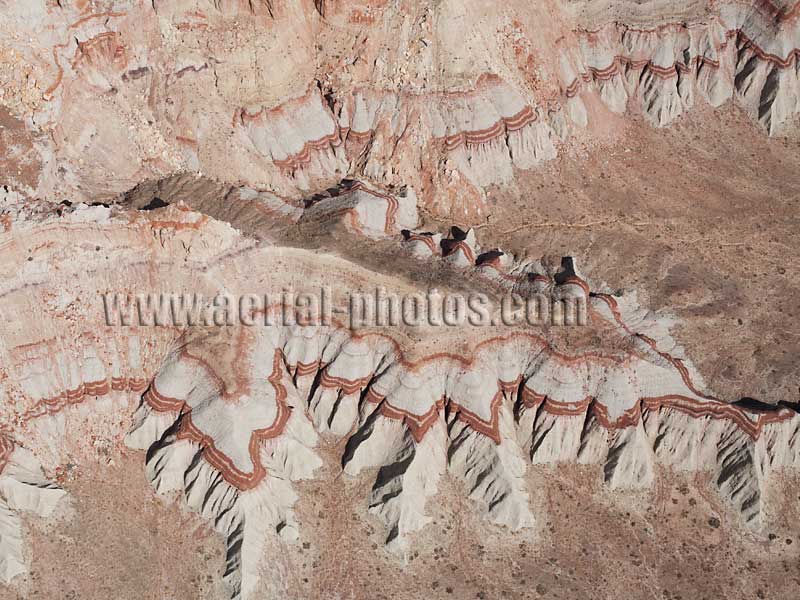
{"points": [[118, 540]]}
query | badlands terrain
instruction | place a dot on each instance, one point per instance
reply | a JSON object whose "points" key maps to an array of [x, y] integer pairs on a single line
{"points": [[636, 162]]}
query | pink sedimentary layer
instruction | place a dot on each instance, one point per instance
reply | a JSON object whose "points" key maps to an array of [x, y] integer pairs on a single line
{"points": [[52, 405], [459, 246], [425, 239], [345, 133], [677, 363], [693, 408], [216, 458], [482, 136], [391, 207], [354, 220], [55, 404], [671, 71], [750, 422], [419, 424], [693, 403]]}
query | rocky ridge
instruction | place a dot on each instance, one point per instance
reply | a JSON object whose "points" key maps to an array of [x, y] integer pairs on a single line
{"points": [[175, 92], [230, 416]]}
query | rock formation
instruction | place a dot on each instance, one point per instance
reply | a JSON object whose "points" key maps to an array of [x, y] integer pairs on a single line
{"points": [[229, 415], [173, 168], [445, 116]]}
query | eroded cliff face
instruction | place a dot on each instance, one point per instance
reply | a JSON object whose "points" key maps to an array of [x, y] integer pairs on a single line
{"points": [[185, 149], [231, 415], [448, 98]]}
